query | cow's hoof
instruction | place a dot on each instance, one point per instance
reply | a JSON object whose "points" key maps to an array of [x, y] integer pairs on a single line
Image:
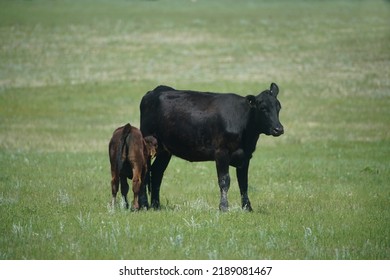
{"points": [[143, 202], [144, 207], [156, 205], [223, 207], [247, 207]]}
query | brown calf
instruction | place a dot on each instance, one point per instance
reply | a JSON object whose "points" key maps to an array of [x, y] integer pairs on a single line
{"points": [[129, 153]]}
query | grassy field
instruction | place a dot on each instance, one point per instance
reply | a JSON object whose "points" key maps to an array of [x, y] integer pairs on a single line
{"points": [[73, 71]]}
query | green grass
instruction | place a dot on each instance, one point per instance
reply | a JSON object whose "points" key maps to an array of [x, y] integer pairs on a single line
{"points": [[73, 71]]}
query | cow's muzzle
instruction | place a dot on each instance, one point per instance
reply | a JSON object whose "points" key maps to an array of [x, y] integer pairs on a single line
{"points": [[277, 131]]}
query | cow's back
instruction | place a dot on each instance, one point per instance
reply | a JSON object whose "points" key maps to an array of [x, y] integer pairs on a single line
{"points": [[191, 124]]}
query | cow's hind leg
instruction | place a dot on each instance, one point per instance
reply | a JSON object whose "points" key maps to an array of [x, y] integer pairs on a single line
{"points": [[242, 177], [157, 172], [143, 197], [222, 163], [124, 190]]}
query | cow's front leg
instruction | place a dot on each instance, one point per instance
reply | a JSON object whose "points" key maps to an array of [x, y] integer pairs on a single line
{"points": [[242, 177], [222, 163], [143, 196], [157, 172], [145, 185]]}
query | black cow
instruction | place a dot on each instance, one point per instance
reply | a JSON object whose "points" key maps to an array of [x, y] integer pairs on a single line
{"points": [[206, 126]]}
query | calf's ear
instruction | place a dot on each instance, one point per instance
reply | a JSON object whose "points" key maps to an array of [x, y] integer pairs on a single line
{"points": [[151, 145], [274, 89], [251, 100]]}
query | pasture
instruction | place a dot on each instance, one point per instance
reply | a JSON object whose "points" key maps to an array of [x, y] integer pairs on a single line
{"points": [[73, 71]]}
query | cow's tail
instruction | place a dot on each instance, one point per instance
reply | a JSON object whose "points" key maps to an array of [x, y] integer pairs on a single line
{"points": [[122, 146]]}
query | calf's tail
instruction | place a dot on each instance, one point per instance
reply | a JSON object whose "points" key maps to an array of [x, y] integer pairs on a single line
{"points": [[122, 153]]}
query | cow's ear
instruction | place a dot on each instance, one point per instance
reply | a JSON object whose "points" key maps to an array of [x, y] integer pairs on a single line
{"points": [[274, 89], [251, 100]]}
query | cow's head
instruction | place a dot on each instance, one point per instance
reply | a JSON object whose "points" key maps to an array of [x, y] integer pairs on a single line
{"points": [[267, 107], [151, 146]]}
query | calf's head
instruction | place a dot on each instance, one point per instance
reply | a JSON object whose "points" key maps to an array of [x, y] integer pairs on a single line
{"points": [[150, 145], [267, 107]]}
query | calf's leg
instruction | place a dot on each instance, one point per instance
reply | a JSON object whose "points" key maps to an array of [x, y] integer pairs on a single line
{"points": [[136, 189], [136, 186], [114, 188], [124, 190]]}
